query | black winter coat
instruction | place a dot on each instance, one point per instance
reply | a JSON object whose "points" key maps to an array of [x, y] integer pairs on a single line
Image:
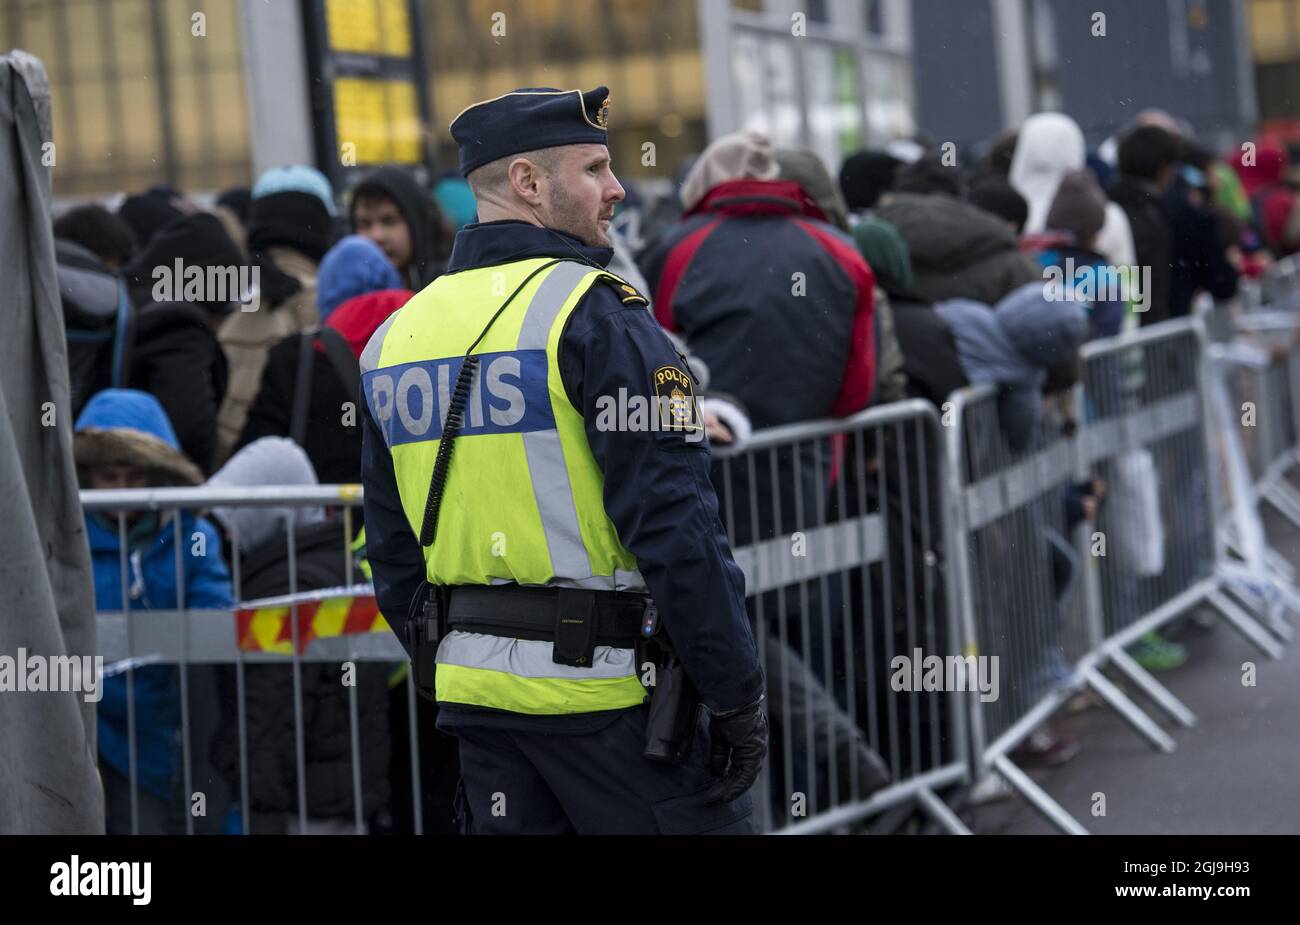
{"points": [[333, 438], [177, 359], [1153, 240], [272, 762], [1199, 260], [958, 250]]}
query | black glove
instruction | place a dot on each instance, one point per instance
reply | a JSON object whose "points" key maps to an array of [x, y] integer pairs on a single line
{"points": [[739, 744]]}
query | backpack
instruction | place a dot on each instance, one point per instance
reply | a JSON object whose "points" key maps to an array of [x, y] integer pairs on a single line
{"points": [[99, 340]]}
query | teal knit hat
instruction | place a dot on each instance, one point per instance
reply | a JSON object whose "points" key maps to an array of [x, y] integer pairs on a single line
{"points": [[295, 178], [886, 253]]}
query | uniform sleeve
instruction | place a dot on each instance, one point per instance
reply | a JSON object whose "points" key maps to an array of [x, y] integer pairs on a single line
{"points": [[396, 562], [659, 497]]}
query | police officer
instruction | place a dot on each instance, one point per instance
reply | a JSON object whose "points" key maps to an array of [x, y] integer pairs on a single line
{"points": [[533, 452]]}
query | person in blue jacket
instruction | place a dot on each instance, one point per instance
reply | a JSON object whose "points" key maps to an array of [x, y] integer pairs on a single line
{"points": [[123, 439]]}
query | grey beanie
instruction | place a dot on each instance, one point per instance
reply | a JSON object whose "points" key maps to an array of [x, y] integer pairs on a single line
{"points": [[268, 461]]}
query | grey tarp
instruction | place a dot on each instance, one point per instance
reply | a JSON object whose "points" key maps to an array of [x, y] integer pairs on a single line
{"points": [[48, 779]]}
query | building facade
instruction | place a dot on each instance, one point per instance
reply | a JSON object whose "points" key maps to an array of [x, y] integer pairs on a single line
{"points": [[155, 91]]}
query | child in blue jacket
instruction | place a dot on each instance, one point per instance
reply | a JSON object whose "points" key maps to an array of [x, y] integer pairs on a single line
{"points": [[123, 439]]}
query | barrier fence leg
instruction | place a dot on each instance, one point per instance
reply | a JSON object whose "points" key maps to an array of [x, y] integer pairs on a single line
{"points": [[1284, 497], [1157, 692], [1128, 710], [1245, 624], [1279, 565], [1037, 796], [939, 811], [1263, 609]]}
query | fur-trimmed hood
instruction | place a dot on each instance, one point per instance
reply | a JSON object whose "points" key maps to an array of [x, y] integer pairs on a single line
{"points": [[127, 427]]}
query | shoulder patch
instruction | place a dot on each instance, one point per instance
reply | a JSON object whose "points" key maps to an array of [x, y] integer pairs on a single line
{"points": [[675, 395], [626, 294]]}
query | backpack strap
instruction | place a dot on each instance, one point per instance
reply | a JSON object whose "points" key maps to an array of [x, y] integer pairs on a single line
{"points": [[343, 360], [123, 338]]}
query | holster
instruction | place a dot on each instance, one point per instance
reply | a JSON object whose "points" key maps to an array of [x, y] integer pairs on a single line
{"points": [[674, 703], [425, 623]]}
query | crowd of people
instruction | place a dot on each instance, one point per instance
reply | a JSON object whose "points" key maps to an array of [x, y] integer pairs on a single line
{"points": [[794, 294]]}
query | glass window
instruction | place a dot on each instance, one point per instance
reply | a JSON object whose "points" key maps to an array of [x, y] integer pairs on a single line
{"points": [[138, 102], [765, 78], [646, 51], [835, 116]]}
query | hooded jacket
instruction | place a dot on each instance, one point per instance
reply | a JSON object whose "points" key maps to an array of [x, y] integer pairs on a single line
{"points": [[429, 236], [99, 336], [175, 354], [1049, 146], [958, 251], [123, 425], [1013, 347], [354, 266], [775, 300]]}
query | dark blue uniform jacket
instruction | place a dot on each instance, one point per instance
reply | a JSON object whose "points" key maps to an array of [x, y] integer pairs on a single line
{"points": [[657, 489]]}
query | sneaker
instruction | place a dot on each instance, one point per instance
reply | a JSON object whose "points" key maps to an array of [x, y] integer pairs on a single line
{"points": [[1154, 653], [990, 789]]}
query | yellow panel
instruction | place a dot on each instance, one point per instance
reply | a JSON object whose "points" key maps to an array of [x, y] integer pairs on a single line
{"points": [[380, 117], [377, 27], [1268, 29]]}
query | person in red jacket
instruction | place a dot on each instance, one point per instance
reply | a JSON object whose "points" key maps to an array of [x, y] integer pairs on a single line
{"points": [[775, 299]]}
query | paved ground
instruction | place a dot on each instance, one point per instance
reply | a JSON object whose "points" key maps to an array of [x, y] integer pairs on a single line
{"points": [[1236, 772]]}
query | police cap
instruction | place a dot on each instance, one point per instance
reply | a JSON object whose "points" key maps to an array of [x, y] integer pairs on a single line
{"points": [[529, 119]]}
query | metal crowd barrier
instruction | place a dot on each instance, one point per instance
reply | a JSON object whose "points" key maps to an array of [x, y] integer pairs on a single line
{"points": [[1144, 429], [870, 546], [1149, 436], [1254, 387], [304, 631], [1017, 572], [840, 528]]}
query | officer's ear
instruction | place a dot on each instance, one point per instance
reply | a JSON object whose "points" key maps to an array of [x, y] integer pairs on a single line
{"points": [[525, 179]]}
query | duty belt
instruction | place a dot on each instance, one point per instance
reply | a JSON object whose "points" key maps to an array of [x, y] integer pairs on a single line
{"points": [[576, 621]]}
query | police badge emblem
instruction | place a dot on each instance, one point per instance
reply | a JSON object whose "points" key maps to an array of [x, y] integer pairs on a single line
{"points": [[675, 397]]}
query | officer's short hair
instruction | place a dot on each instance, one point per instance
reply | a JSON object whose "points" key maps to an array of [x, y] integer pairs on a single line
{"points": [[492, 175]]}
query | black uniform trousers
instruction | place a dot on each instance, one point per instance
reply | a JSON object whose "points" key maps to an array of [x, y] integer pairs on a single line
{"points": [[538, 783]]}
